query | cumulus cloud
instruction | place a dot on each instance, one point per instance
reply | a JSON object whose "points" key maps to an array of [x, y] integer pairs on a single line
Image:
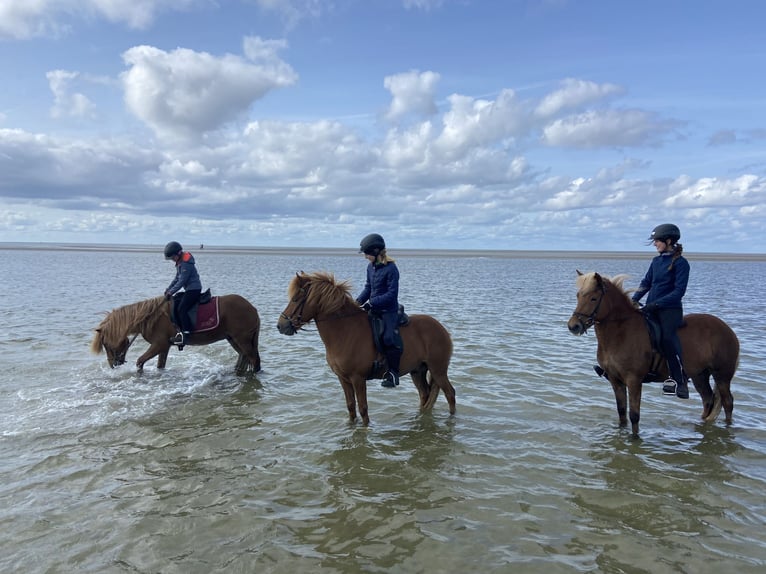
{"points": [[714, 192], [574, 94], [412, 93], [23, 19], [67, 103], [607, 128], [183, 93]]}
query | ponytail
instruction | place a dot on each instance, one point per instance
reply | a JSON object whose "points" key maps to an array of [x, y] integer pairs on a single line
{"points": [[679, 249]]}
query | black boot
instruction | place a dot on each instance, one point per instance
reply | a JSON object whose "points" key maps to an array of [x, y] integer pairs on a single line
{"points": [[676, 385], [390, 380]]}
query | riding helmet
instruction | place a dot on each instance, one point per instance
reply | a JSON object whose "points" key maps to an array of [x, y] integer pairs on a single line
{"points": [[172, 248], [372, 244], [665, 231]]}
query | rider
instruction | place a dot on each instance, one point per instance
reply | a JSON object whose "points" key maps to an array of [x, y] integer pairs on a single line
{"points": [[187, 279], [381, 296], [665, 281]]}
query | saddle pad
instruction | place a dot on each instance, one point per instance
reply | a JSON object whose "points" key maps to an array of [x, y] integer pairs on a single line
{"points": [[207, 316]]}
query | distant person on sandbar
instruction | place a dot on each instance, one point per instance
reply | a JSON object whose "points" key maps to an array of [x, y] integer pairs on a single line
{"points": [[666, 281], [380, 296], [187, 278]]}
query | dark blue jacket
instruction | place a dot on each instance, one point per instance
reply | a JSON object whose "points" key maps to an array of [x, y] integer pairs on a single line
{"points": [[666, 285], [381, 288], [186, 275]]}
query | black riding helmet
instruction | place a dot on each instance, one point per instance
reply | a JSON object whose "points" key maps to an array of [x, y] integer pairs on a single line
{"points": [[665, 231], [372, 244], [172, 248]]}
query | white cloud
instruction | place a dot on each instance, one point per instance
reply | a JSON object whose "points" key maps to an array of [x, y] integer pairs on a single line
{"points": [[607, 128], [746, 190], [574, 94], [24, 19], [183, 93], [413, 92], [65, 102]]}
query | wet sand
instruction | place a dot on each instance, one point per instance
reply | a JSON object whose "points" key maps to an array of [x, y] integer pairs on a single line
{"points": [[499, 254]]}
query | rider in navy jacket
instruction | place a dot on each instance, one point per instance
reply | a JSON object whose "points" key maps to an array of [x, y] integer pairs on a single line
{"points": [[666, 281], [381, 295], [187, 278]]}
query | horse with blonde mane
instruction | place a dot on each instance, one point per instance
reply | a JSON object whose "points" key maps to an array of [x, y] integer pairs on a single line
{"points": [[236, 320], [626, 355], [350, 351]]}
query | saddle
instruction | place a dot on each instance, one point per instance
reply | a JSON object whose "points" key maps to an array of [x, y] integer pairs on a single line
{"points": [[204, 315], [658, 359], [380, 364]]}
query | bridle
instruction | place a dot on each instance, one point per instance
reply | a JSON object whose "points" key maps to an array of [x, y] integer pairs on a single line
{"points": [[589, 320], [119, 358], [296, 318]]}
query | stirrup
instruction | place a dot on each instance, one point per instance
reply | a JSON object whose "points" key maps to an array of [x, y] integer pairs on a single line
{"points": [[669, 387], [390, 380]]}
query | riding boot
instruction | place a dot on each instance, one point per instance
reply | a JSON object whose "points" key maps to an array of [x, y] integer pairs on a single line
{"points": [[391, 378], [677, 384]]}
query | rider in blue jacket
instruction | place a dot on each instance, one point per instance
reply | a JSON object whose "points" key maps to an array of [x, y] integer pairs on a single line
{"points": [[187, 279], [666, 281], [381, 295]]}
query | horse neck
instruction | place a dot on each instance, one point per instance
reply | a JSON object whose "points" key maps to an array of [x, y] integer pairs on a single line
{"points": [[340, 327], [620, 315]]}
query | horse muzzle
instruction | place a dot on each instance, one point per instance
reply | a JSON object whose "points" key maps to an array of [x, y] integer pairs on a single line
{"points": [[285, 326], [576, 326]]}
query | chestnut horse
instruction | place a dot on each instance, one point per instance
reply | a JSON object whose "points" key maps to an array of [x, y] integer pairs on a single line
{"points": [[238, 323], [350, 351], [709, 347]]}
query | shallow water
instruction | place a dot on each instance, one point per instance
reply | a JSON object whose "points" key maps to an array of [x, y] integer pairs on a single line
{"points": [[193, 469]]}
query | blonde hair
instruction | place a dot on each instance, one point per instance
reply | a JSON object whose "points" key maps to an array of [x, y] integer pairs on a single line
{"points": [[383, 258]]}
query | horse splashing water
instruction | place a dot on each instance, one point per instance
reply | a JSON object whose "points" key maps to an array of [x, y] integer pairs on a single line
{"points": [[350, 351], [235, 320], [626, 354]]}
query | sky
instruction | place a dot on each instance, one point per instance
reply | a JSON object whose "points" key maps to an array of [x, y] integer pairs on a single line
{"points": [[440, 124]]}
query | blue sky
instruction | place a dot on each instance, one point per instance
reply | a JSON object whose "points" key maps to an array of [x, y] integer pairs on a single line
{"points": [[465, 124]]}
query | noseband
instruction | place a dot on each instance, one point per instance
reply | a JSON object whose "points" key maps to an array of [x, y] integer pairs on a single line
{"points": [[589, 320], [296, 318]]}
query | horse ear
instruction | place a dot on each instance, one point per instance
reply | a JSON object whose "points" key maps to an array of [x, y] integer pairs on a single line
{"points": [[578, 272], [599, 280]]}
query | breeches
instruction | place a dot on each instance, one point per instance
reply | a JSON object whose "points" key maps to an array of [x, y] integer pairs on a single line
{"points": [[670, 320], [189, 300]]}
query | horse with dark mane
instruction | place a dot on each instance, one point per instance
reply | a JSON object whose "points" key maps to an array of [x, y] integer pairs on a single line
{"points": [[350, 351], [626, 355], [236, 320]]}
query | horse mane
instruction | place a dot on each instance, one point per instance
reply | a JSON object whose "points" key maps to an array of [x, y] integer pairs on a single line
{"points": [[589, 281], [326, 295], [124, 321]]}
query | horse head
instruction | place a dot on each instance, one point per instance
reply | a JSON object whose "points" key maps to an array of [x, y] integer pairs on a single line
{"points": [[590, 294], [291, 319], [313, 297], [115, 350]]}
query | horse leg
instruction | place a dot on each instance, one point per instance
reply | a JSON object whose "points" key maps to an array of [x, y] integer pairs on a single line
{"points": [[710, 400], [421, 384], [348, 390], [621, 398], [162, 358], [723, 386], [150, 353], [360, 388], [440, 381], [634, 405]]}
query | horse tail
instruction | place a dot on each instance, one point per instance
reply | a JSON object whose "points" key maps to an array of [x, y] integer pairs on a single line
{"points": [[716, 408]]}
